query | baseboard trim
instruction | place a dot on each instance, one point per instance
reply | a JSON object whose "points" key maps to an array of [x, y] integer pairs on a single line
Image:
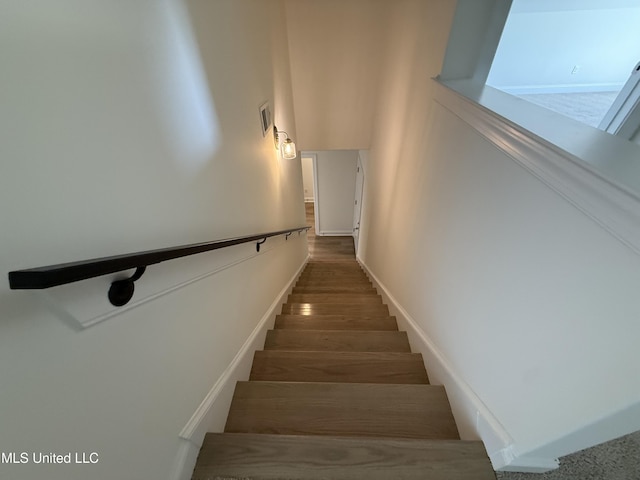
{"points": [[478, 422], [522, 464], [193, 433]]}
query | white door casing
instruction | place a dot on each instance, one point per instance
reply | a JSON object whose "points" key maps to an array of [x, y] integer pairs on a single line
{"points": [[357, 207]]}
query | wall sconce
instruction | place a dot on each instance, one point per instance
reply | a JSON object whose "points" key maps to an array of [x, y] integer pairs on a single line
{"points": [[285, 144]]}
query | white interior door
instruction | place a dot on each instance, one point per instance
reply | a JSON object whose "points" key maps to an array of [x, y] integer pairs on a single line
{"points": [[357, 207]]}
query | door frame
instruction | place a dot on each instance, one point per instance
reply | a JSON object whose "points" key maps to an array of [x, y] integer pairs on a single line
{"points": [[357, 207], [316, 191]]}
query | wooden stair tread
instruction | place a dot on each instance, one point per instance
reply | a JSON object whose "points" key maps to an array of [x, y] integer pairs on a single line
{"points": [[306, 280], [340, 241], [353, 298], [333, 276], [334, 322], [277, 457], [354, 367], [337, 394], [337, 340], [304, 283], [379, 309], [342, 409], [333, 267], [325, 275], [344, 270], [334, 289], [333, 264]]}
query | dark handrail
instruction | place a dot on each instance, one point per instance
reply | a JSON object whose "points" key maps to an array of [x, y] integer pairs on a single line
{"points": [[121, 291]]}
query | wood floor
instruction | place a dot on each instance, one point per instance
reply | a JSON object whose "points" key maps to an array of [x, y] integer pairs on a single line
{"points": [[324, 247], [337, 394]]}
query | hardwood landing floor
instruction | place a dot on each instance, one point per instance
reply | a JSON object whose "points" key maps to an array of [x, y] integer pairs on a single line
{"points": [[337, 394], [325, 247]]}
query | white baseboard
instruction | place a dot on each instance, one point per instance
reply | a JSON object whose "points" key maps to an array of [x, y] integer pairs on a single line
{"points": [[513, 463], [474, 419], [576, 88], [212, 412]]}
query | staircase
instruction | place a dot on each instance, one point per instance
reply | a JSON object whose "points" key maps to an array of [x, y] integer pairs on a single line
{"points": [[337, 394]]}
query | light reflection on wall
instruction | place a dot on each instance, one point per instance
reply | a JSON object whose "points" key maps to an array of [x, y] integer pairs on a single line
{"points": [[184, 100]]}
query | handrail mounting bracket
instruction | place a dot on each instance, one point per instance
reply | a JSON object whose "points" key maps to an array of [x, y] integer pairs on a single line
{"points": [[121, 291]]}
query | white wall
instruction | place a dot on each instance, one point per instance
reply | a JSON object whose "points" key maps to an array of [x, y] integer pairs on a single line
{"points": [[335, 68], [125, 127], [541, 44], [336, 181], [525, 307], [307, 178]]}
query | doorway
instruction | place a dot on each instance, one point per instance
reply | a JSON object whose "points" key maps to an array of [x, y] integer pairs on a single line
{"points": [[309, 188]]}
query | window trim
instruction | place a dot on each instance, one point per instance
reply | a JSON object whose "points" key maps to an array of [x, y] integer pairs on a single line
{"points": [[623, 118]]}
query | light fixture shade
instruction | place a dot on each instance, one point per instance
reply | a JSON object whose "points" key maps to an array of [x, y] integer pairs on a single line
{"points": [[288, 149]]}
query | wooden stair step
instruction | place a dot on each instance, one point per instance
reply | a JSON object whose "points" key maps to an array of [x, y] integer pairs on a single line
{"points": [[337, 340], [335, 246], [334, 322], [333, 266], [334, 298], [329, 240], [340, 269], [329, 252], [333, 271], [329, 276], [338, 243], [378, 309], [332, 274], [335, 289], [333, 283], [342, 409], [334, 280], [337, 264], [277, 457], [354, 367]]}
